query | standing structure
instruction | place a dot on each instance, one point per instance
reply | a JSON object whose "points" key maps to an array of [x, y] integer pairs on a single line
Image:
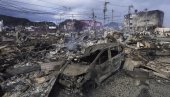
{"points": [[1, 25], [145, 20], [129, 17], [105, 10], [112, 15]]}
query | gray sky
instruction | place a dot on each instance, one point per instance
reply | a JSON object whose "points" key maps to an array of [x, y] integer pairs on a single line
{"points": [[58, 10]]}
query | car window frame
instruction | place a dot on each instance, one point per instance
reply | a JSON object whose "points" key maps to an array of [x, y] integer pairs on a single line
{"points": [[101, 54]]}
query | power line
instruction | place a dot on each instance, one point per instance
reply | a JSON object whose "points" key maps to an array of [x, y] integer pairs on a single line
{"points": [[23, 9], [33, 4], [118, 5], [54, 4], [28, 12], [33, 12], [14, 7]]}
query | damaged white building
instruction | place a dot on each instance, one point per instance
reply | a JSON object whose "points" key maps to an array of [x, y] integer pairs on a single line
{"points": [[144, 20], [1, 25]]}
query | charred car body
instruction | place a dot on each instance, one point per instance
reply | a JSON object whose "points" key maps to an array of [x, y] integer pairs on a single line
{"points": [[97, 64]]}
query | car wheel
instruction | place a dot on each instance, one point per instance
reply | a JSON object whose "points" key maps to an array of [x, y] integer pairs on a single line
{"points": [[90, 84]]}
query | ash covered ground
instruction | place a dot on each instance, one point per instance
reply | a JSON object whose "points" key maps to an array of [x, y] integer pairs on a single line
{"points": [[122, 85]]}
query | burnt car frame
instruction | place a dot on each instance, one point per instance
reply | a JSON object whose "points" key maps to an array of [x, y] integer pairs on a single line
{"points": [[98, 63]]}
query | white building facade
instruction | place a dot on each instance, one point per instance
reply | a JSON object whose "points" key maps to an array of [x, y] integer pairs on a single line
{"points": [[1, 25]]}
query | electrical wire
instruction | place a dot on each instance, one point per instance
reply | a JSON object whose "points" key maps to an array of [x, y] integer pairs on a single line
{"points": [[24, 9], [28, 12], [13, 7], [111, 4], [54, 4], [15, 1]]}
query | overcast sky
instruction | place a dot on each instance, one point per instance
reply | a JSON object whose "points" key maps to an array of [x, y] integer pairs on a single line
{"points": [[58, 10]]}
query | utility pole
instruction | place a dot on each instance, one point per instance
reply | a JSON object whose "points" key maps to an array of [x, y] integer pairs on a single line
{"points": [[60, 17], [105, 10], [93, 14], [93, 18], [129, 17], [46, 27], [72, 16], [112, 15], [146, 19], [73, 22], [94, 22]]}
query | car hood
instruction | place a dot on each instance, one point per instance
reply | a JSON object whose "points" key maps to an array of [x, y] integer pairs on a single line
{"points": [[75, 69]]}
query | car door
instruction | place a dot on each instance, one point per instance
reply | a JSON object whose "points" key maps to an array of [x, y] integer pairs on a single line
{"points": [[117, 57], [103, 66], [109, 66], [112, 63]]}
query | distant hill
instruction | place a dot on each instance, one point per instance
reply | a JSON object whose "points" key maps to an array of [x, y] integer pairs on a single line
{"points": [[15, 21], [114, 25]]}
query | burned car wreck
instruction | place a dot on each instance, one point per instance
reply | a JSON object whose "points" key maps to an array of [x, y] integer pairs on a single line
{"points": [[97, 64]]}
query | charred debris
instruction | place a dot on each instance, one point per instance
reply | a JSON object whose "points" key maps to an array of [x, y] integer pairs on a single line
{"points": [[33, 60]]}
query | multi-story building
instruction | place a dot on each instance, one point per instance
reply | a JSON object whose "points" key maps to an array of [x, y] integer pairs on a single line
{"points": [[1, 25], [143, 21]]}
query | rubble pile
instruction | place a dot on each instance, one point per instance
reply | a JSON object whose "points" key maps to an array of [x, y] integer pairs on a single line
{"points": [[22, 70], [148, 54], [30, 67], [27, 67], [34, 63]]}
